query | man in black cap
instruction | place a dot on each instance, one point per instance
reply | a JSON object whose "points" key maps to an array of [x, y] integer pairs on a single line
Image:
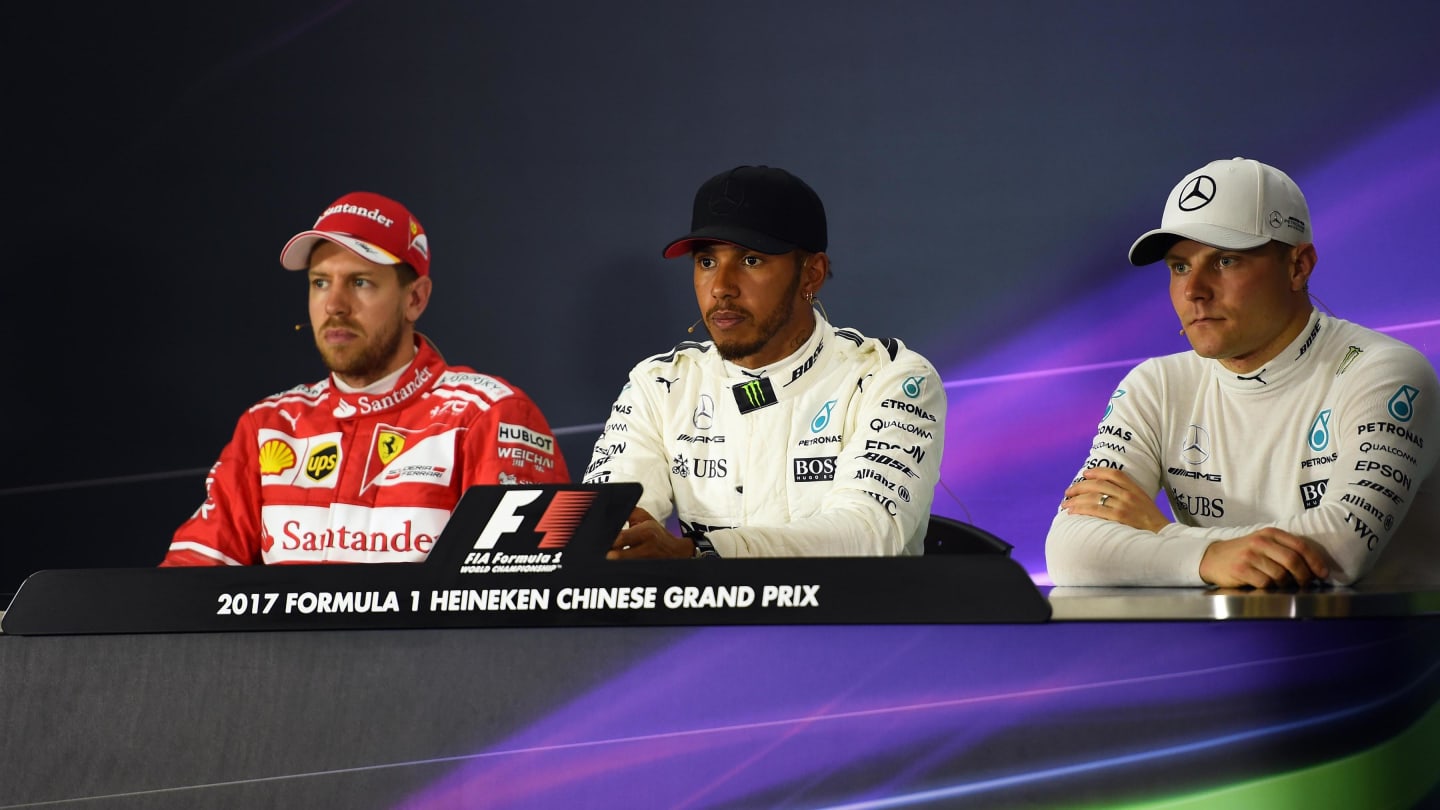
{"points": [[783, 436]]}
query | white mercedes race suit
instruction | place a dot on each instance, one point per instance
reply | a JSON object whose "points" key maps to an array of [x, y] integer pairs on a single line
{"points": [[1335, 440], [833, 451]]}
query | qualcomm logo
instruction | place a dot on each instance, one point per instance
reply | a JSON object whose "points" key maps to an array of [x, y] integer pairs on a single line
{"points": [[822, 417], [1320, 431]]}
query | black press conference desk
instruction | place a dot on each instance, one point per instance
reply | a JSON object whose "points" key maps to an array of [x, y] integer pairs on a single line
{"points": [[1317, 699]]}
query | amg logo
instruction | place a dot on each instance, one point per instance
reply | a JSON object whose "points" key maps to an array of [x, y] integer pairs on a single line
{"points": [[1199, 476]]}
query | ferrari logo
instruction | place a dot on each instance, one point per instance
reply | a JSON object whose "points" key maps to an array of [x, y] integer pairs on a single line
{"points": [[389, 445]]}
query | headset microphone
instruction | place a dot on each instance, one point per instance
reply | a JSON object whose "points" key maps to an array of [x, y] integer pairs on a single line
{"points": [[299, 326], [697, 322]]}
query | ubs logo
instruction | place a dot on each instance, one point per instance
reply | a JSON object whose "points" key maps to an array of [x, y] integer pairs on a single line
{"points": [[1197, 193], [1196, 447], [709, 467]]}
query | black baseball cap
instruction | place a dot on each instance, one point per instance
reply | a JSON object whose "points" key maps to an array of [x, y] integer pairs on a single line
{"points": [[756, 207]]}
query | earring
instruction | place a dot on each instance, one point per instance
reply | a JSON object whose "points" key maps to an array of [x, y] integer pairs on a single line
{"points": [[809, 297]]}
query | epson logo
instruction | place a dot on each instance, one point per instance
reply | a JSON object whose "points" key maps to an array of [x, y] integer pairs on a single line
{"points": [[821, 468]]}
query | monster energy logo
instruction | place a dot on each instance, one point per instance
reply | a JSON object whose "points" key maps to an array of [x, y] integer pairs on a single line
{"points": [[754, 394], [1350, 355]]}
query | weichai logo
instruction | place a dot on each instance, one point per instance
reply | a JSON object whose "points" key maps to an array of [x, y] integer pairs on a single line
{"points": [[322, 461]]}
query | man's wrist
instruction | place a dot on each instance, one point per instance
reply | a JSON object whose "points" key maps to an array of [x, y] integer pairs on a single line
{"points": [[704, 549]]}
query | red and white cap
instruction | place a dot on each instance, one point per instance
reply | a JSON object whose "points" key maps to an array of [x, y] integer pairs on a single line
{"points": [[371, 226]]}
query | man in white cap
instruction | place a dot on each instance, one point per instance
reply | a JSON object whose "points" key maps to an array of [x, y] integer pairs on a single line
{"points": [[1293, 447], [783, 436], [366, 465]]}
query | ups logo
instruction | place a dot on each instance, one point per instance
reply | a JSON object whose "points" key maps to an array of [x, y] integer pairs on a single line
{"points": [[322, 461]]}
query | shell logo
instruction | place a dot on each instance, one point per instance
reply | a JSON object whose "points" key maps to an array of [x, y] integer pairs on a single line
{"points": [[276, 457]]}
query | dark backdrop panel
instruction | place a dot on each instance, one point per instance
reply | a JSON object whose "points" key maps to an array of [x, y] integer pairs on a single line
{"points": [[985, 166]]}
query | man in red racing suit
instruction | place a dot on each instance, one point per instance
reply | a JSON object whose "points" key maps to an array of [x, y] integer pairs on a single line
{"points": [[366, 465]]}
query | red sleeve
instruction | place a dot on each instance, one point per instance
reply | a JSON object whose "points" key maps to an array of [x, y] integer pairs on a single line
{"points": [[512, 443], [226, 529]]}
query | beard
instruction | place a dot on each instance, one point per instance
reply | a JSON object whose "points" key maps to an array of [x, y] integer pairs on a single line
{"points": [[366, 359], [766, 329]]}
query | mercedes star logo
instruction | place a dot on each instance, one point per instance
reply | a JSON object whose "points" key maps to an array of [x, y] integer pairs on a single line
{"points": [[729, 200], [704, 415], [1197, 193], [1196, 443]]}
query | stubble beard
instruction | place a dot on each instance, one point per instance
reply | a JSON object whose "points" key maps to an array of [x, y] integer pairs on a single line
{"points": [[768, 328], [363, 363]]}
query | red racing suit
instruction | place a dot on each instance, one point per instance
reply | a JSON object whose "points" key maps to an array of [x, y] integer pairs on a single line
{"points": [[317, 475]]}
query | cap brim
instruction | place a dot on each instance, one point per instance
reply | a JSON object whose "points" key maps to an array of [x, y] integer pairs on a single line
{"points": [[744, 237], [1152, 246], [296, 253]]}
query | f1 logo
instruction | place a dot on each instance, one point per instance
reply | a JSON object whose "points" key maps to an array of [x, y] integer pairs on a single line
{"points": [[557, 525]]}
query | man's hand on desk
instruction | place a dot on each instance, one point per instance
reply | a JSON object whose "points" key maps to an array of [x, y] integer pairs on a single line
{"points": [[646, 539], [1110, 494], [1268, 558]]}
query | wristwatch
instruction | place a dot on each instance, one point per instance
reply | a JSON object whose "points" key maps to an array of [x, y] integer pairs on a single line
{"points": [[704, 549]]}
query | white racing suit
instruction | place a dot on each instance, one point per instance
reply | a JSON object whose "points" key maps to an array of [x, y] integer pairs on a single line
{"points": [[1336, 440], [833, 451]]}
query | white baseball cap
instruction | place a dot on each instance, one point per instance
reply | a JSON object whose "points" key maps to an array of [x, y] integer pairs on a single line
{"points": [[1234, 204]]}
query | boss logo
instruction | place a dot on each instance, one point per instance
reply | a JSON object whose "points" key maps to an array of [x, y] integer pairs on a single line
{"points": [[821, 468]]}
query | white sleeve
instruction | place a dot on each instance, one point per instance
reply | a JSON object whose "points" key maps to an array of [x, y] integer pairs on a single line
{"points": [[1386, 413], [631, 449], [1084, 550], [1388, 408]]}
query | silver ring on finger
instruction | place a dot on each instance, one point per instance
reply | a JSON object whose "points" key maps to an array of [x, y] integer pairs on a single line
{"points": [[1103, 499]]}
